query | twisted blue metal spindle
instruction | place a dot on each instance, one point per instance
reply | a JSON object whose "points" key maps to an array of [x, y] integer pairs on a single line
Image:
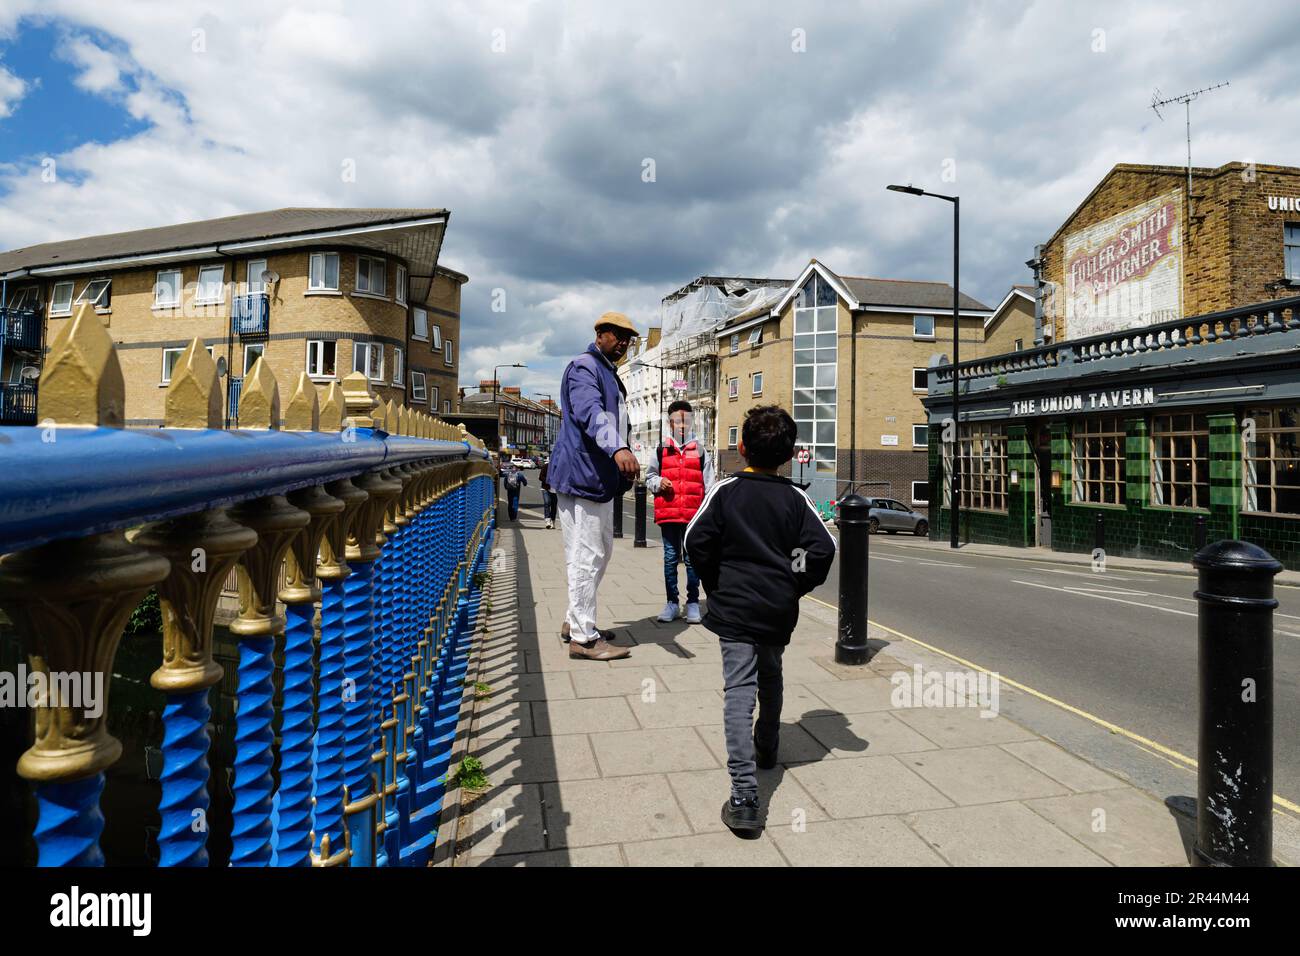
{"points": [[291, 845], [184, 779], [327, 778], [254, 756], [358, 706], [69, 823]]}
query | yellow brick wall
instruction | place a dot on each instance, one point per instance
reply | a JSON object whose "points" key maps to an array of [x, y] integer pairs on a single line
{"points": [[1017, 322], [443, 304]]}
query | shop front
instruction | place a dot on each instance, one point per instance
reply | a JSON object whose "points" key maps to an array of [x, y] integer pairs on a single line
{"points": [[1147, 442]]}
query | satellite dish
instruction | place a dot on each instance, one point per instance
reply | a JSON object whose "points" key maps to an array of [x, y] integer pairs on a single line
{"points": [[270, 277], [221, 366], [31, 372]]}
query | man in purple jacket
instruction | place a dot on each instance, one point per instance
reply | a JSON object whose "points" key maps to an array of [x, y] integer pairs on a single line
{"points": [[590, 464]]}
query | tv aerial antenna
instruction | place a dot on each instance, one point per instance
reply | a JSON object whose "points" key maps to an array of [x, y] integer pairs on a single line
{"points": [[1158, 101]]}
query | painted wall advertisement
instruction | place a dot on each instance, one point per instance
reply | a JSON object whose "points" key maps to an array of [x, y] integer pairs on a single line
{"points": [[1126, 271]]}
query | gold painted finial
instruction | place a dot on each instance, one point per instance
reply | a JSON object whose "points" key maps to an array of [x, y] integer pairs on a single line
{"points": [[82, 382], [389, 422], [332, 411], [358, 400], [194, 395], [259, 402], [303, 413]]}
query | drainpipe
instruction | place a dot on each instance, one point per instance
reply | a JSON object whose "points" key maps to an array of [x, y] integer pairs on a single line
{"points": [[1036, 264]]}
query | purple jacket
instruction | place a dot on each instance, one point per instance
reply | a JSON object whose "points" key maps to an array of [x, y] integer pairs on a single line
{"points": [[593, 428]]}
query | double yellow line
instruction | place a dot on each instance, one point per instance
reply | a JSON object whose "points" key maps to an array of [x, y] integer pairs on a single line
{"points": [[1171, 754]]}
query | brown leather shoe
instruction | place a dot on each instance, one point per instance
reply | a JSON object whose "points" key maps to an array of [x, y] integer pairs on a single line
{"points": [[598, 650]]}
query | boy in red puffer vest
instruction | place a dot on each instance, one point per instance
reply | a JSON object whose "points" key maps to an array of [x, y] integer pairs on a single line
{"points": [[680, 474]]}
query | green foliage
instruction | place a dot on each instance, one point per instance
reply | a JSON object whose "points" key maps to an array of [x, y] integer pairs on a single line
{"points": [[469, 775], [482, 691], [481, 578], [146, 619]]}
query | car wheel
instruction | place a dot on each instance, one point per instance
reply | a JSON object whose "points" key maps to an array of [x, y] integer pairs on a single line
{"points": [[873, 526], [922, 529]]}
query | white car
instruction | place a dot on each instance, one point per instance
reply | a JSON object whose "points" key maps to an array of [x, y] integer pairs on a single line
{"points": [[522, 462]]}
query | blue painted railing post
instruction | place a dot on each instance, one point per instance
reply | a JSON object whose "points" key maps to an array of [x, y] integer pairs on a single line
{"points": [[277, 523], [202, 549]]}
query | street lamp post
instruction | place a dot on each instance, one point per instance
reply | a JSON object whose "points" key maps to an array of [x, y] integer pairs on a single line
{"points": [[496, 406], [546, 419], [955, 473]]}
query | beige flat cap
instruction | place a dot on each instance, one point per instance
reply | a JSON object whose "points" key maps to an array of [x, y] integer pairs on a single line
{"points": [[618, 320]]}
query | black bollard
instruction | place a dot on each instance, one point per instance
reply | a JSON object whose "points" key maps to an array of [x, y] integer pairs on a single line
{"points": [[851, 643], [639, 511], [1200, 533], [1099, 533], [618, 515], [1234, 793]]}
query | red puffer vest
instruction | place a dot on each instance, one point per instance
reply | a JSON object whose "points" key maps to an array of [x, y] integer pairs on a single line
{"points": [[684, 467]]}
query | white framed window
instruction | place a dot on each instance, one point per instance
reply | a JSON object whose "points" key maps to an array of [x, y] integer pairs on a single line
{"points": [[732, 434], [922, 326], [920, 492], [755, 336], [99, 293], [421, 325], [252, 352], [399, 365], [447, 352], [169, 357], [253, 275], [920, 436], [27, 298], [446, 406], [757, 388], [436, 341], [211, 289], [167, 289], [1291, 250], [368, 357], [733, 388], [372, 274], [400, 290], [920, 380], [61, 299], [323, 272], [417, 387], [321, 356], [433, 397], [735, 343]]}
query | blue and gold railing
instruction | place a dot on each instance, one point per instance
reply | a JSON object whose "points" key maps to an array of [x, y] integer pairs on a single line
{"points": [[380, 517]]}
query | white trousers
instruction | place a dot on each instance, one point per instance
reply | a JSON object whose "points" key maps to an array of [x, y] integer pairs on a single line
{"points": [[588, 528]]}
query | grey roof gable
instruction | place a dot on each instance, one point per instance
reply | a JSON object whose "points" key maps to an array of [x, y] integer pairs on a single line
{"points": [[907, 294]]}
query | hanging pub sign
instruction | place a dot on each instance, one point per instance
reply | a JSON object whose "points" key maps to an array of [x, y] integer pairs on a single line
{"points": [[1086, 401]]}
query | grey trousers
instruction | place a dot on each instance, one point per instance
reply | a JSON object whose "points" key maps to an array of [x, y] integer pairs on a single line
{"points": [[749, 671]]}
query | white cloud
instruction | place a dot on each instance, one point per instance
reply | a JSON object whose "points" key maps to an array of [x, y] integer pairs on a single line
{"points": [[12, 89]]}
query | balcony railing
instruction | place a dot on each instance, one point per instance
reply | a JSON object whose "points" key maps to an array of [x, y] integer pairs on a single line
{"points": [[232, 398], [250, 314], [381, 518], [1280, 317], [21, 329], [17, 404]]}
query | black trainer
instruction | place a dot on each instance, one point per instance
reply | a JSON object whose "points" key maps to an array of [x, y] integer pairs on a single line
{"points": [[743, 815], [766, 759]]}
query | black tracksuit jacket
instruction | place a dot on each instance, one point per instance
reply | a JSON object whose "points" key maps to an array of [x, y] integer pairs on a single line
{"points": [[758, 545]]}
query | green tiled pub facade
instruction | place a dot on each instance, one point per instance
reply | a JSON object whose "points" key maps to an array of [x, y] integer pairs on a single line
{"points": [[1145, 443]]}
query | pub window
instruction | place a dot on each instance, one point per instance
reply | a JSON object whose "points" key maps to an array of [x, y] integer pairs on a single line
{"points": [[984, 467], [1180, 461], [1291, 246], [1098, 467], [1272, 460]]}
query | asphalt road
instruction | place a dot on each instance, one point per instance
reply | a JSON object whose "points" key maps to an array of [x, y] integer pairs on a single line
{"points": [[1120, 645]]}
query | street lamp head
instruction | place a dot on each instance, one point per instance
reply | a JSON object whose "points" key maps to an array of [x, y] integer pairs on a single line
{"points": [[910, 189]]}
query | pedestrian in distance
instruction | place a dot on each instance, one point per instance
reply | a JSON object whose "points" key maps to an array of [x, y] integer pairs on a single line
{"points": [[515, 480], [758, 545], [678, 477]]}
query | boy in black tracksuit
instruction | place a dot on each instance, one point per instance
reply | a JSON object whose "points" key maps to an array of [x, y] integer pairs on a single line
{"points": [[758, 545]]}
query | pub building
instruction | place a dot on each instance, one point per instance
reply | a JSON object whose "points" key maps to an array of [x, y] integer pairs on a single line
{"points": [[1160, 406]]}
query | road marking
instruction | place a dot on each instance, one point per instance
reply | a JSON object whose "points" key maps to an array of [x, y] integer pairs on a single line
{"points": [[1099, 721], [1103, 597], [881, 557], [1089, 574], [940, 564]]}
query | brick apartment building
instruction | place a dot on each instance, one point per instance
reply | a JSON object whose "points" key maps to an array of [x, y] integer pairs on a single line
{"points": [[326, 291], [524, 426], [1161, 408]]}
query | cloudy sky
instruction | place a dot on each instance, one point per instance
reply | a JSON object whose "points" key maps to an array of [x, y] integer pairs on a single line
{"points": [[771, 130]]}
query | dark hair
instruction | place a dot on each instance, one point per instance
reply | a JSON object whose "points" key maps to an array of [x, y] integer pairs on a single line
{"points": [[769, 434], [680, 406]]}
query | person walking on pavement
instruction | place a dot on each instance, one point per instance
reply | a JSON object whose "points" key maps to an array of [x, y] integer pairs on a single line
{"points": [[548, 496], [515, 481], [680, 474], [590, 464]]}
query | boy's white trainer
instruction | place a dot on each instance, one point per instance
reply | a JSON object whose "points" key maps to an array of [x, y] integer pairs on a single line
{"points": [[669, 613], [693, 613]]}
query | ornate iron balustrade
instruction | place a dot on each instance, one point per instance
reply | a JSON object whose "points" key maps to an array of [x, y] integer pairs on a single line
{"points": [[1269, 318], [17, 404], [379, 515]]}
